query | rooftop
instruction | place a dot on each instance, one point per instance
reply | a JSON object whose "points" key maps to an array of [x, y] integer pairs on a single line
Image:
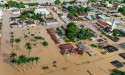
{"points": [[101, 23]]}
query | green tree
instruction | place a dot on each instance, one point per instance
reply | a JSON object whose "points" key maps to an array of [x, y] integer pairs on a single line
{"points": [[93, 45], [81, 52], [117, 72], [28, 46], [18, 40], [72, 9], [116, 33], [45, 43], [13, 61], [81, 10], [122, 10], [22, 59], [57, 2], [32, 59], [87, 9], [13, 55], [36, 59]]}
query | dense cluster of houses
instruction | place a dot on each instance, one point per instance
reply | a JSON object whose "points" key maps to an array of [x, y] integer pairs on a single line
{"points": [[48, 18], [68, 49], [107, 27]]}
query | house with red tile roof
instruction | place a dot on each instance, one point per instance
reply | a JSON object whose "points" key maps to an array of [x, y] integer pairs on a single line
{"points": [[102, 24], [52, 35], [68, 49]]}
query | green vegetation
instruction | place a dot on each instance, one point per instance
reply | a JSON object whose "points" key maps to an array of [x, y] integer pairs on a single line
{"points": [[122, 10], [11, 38], [57, 2], [104, 52], [22, 59], [38, 37], [18, 40], [93, 45], [105, 39], [0, 27], [32, 4], [18, 4], [28, 46], [101, 47], [27, 15], [13, 55], [80, 52], [45, 43], [73, 10], [117, 33], [45, 67], [59, 31], [123, 1], [117, 72], [73, 33]]}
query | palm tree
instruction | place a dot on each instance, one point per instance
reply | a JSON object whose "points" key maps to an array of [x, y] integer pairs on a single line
{"points": [[22, 59], [36, 59], [12, 55], [32, 59], [25, 36], [32, 35], [13, 61], [18, 62], [29, 48], [27, 44]]}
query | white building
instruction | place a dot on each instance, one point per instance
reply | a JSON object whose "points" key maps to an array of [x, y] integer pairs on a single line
{"points": [[3, 2], [15, 11], [41, 11]]}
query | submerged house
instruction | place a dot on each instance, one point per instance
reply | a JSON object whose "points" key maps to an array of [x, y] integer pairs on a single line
{"points": [[84, 48], [41, 11], [30, 23], [68, 49], [52, 35], [15, 11], [51, 21], [104, 27]]}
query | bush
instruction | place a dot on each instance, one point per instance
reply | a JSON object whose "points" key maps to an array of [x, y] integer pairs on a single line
{"points": [[117, 72], [17, 40], [99, 46], [81, 52], [105, 39], [93, 45], [45, 43], [100, 35], [103, 52]]}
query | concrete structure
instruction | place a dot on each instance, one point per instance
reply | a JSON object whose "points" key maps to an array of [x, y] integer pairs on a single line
{"points": [[15, 10], [41, 11], [51, 21]]}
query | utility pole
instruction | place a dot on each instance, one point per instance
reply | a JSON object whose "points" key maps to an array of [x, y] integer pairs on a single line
{"points": [[113, 25]]}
